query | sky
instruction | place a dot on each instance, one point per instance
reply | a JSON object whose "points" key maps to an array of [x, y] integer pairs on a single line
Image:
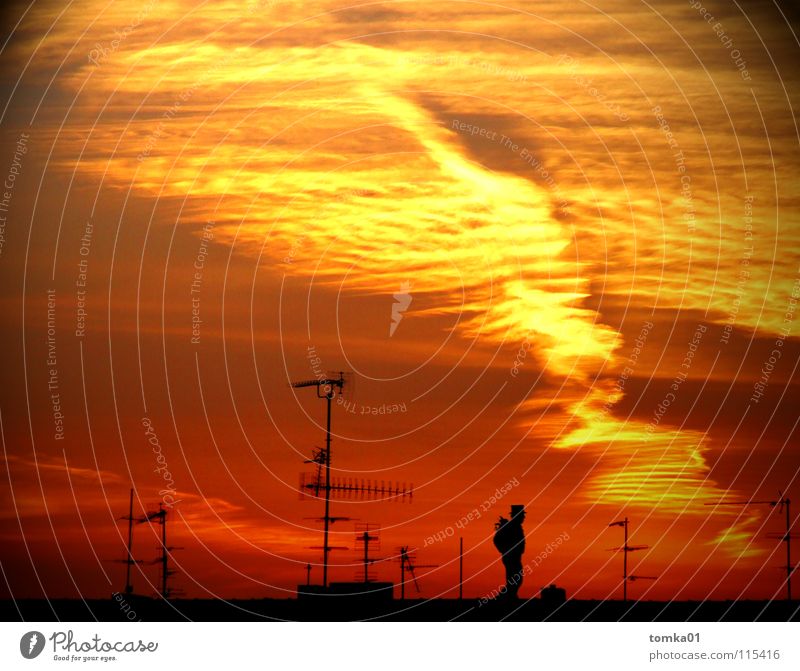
{"points": [[553, 244]]}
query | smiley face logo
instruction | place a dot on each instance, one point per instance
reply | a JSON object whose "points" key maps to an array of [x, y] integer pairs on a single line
{"points": [[31, 644]]}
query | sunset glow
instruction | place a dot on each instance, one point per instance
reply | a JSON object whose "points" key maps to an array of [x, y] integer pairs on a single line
{"points": [[591, 215]]}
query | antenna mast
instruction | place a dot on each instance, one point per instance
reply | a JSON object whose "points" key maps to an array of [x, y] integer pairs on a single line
{"points": [[366, 535], [129, 560], [408, 563], [325, 389], [161, 516], [321, 484], [781, 502], [625, 549]]}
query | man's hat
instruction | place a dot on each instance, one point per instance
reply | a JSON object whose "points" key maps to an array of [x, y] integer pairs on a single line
{"points": [[517, 509]]}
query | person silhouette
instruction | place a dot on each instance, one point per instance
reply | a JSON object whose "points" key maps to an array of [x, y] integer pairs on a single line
{"points": [[509, 539]]}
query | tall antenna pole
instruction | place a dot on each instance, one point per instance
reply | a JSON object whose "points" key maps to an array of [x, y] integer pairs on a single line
{"points": [[789, 566], [625, 549], [407, 566], [366, 555], [364, 534], [625, 566], [325, 546], [163, 558], [129, 561], [461, 568], [128, 585], [164, 553], [786, 537], [325, 389], [403, 557]]}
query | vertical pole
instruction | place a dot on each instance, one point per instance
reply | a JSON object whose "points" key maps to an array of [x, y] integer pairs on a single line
{"points": [[461, 568], [625, 565], [402, 574], [325, 548], [163, 514], [788, 552], [366, 555], [128, 586], [308, 574]]}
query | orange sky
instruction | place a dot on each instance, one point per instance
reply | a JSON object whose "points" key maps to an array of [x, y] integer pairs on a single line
{"points": [[592, 207]]}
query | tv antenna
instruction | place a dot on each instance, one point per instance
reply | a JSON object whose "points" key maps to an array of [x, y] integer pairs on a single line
{"points": [[408, 563], [320, 484], [625, 549], [781, 502], [326, 388], [160, 516], [129, 561], [367, 535]]}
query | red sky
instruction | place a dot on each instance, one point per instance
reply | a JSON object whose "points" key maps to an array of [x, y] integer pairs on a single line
{"points": [[609, 190]]}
